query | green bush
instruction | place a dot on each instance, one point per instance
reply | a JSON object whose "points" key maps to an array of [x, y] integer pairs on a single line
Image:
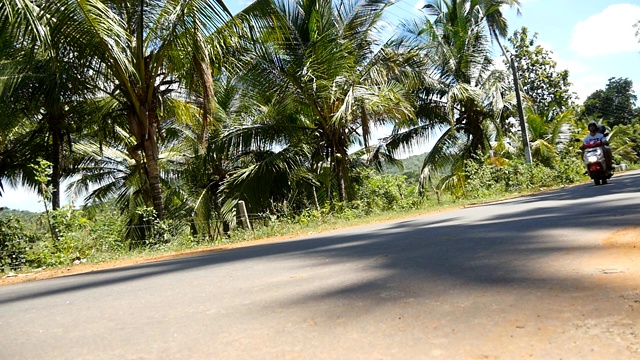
{"points": [[568, 170], [81, 235], [15, 243], [484, 180], [380, 192]]}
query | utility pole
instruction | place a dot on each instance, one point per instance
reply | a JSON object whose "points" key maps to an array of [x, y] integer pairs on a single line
{"points": [[523, 124]]}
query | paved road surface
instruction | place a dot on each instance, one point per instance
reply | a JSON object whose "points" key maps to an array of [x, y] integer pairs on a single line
{"points": [[537, 277]]}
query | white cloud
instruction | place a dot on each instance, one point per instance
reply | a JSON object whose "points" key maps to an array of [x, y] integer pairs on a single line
{"points": [[498, 63], [584, 86], [545, 45], [574, 67], [610, 32]]}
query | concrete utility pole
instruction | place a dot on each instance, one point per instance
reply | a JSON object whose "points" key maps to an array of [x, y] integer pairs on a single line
{"points": [[523, 124], [243, 215]]}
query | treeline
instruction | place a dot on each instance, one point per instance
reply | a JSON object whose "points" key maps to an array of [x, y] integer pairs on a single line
{"points": [[164, 117]]}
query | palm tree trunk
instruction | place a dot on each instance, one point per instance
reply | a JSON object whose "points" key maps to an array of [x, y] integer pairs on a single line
{"points": [[153, 175], [207, 104], [477, 135], [340, 173], [56, 156], [474, 118], [54, 122], [205, 74], [315, 199], [151, 154], [341, 186], [145, 134]]}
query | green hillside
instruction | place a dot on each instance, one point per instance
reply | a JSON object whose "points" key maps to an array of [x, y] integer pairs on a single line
{"points": [[411, 167]]}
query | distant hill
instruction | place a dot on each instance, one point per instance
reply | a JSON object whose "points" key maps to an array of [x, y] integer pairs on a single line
{"points": [[19, 214], [412, 163], [31, 221], [412, 166]]}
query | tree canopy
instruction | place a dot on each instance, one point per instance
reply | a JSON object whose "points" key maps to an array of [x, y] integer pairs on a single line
{"points": [[615, 104], [547, 89], [177, 111]]}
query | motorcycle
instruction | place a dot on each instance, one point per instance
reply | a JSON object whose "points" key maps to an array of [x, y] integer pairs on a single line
{"points": [[594, 160]]}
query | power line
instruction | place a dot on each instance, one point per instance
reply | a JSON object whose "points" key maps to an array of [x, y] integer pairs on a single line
{"points": [[403, 11]]}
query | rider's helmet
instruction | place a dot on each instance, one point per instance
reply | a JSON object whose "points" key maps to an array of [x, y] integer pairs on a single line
{"points": [[592, 125]]}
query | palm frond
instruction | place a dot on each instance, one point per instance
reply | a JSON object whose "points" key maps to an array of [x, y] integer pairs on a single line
{"points": [[442, 156]]}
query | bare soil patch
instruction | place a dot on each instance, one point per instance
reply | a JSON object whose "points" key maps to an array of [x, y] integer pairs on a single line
{"points": [[625, 238], [618, 265]]}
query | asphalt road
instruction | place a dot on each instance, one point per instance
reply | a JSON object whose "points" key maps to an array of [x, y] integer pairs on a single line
{"points": [[536, 277]]}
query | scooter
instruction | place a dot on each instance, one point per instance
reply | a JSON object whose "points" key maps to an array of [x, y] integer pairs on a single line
{"points": [[595, 161]]}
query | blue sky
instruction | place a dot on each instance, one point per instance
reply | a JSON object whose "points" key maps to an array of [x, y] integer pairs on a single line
{"points": [[593, 39]]}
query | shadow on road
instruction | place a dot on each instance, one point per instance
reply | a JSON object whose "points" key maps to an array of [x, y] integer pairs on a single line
{"points": [[485, 245]]}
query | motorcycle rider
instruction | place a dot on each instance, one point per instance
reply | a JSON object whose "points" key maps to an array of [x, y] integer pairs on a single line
{"points": [[595, 136]]}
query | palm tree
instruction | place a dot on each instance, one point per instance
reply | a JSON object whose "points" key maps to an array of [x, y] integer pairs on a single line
{"points": [[494, 18], [138, 47], [203, 170], [546, 133], [465, 95], [324, 78], [44, 80], [624, 141], [109, 173]]}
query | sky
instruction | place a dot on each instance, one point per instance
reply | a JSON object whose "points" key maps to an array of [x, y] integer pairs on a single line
{"points": [[593, 39]]}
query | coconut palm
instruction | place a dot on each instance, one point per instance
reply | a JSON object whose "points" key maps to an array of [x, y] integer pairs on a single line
{"points": [[492, 15], [107, 172], [465, 95], [45, 78], [546, 133], [138, 47], [325, 80], [202, 170]]}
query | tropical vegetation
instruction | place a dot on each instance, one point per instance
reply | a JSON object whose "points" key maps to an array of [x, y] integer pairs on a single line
{"points": [[166, 120]]}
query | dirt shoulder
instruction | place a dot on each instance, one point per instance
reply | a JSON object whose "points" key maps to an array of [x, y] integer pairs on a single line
{"points": [[90, 267], [621, 242], [8, 279], [624, 246]]}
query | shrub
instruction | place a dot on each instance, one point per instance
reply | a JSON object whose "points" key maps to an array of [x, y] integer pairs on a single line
{"points": [[15, 243], [81, 235], [486, 180], [377, 193]]}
